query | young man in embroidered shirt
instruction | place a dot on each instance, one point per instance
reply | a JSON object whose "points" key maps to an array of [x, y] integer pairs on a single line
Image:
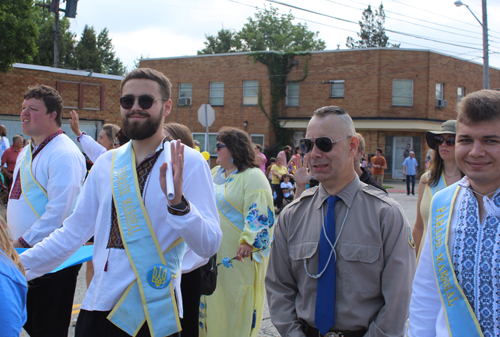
{"points": [[123, 204], [456, 290], [46, 180]]}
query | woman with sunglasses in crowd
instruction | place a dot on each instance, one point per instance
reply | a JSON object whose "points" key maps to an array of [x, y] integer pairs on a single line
{"points": [[443, 171], [245, 206]]}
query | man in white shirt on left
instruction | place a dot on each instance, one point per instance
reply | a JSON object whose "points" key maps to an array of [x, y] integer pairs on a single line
{"points": [[47, 178]]}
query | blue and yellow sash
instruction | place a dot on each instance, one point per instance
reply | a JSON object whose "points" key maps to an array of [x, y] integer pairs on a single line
{"points": [[234, 216], [441, 185], [151, 297], [460, 317], [34, 194]]}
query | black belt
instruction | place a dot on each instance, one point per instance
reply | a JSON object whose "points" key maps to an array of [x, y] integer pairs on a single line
{"points": [[313, 332]]}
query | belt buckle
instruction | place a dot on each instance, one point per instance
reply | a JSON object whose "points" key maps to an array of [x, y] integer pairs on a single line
{"points": [[333, 334]]}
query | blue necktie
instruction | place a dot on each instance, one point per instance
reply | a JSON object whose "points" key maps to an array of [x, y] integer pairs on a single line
{"points": [[324, 317]]}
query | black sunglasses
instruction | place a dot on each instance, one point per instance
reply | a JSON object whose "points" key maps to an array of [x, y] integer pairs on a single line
{"points": [[325, 144], [219, 146], [450, 141], [145, 101]]}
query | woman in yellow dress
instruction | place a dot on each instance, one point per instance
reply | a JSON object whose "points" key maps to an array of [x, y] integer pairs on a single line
{"points": [[443, 171], [245, 205]]}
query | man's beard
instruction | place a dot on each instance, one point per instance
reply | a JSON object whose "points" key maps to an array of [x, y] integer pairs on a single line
{"points": [[137, 131]]}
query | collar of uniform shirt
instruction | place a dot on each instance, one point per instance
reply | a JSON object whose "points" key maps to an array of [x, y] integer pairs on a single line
{"points": [[346, 195]]}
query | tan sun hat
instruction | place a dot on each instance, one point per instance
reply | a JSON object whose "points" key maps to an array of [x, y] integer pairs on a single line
{"points": [[448, 127]]}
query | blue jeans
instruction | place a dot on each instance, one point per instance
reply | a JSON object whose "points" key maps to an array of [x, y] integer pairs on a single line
{"points": [[412, 178]]}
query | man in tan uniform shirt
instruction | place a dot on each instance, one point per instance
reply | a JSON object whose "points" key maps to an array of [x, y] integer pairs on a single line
{"points": [[375, 257]]}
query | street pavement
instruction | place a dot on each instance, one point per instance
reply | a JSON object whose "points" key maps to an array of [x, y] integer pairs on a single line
{"points": [[398, 192]]}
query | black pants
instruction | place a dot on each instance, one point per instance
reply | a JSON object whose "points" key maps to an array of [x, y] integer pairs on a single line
{"points": [[278, 202], [191, 293], [50, 303], [412, 178], [95, 324]]}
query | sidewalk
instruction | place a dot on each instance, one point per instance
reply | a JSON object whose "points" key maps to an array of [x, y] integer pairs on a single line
{"points": [[398, 186]]}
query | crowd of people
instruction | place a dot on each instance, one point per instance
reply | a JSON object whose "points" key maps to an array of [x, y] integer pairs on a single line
{"points": [[339, 259]]}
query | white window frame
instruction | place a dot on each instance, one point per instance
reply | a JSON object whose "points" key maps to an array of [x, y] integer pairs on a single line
{"points": [[250, 99], [211, 147], [258, 135], [190, 90], [439, 90], [460, 94], [292, 100], [403, 96], [215, 96], [332, 82]]}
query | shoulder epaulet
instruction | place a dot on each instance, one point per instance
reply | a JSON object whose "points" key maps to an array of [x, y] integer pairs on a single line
{"points": [[377, 193], [306, 194]]}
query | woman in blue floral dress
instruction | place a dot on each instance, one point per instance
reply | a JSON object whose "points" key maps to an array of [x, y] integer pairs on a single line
{"points": [[245, 203]]}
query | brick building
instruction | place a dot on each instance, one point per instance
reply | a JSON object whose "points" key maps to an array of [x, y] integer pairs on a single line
{"points": [[393, 95], [94, 96]]}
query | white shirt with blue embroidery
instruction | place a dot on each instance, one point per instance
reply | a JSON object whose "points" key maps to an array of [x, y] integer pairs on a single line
{"points": [[475, 251]]}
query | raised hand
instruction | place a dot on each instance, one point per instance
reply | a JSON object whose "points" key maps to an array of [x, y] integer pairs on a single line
{"points": [[74, 122], [302, 174]]}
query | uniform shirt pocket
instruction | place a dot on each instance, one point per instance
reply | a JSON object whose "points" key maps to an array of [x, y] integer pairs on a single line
{"points": [[361, 267], [300, 251]]}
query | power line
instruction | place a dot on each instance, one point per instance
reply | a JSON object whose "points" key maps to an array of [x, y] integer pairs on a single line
{"points": [[388, 30], [352, 31], [441, 15], [412, 23]]}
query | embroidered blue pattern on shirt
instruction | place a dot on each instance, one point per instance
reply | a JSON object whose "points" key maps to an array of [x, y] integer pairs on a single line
{"points": [[476, 260]]}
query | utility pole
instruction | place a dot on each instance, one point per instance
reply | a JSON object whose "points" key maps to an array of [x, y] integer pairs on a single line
{"points": [[56, 34], [486, 67], [70, 13]]}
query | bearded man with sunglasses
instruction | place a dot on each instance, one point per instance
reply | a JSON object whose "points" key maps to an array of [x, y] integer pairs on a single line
{"points": [[140, 236], [456, 290], [343, 259]]}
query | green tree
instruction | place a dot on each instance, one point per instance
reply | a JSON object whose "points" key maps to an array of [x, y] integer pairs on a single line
{"points": [[270, 30], [110, 63], [45, 42], [224, 42], [18, 33], [96, 52], [86, 51], [372, 31], [274, 31]]}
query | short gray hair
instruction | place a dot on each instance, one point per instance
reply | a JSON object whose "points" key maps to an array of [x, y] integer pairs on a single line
{"points": [[341, 113], [16, 138]]}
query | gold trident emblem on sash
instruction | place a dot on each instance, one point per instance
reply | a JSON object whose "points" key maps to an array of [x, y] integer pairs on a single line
{"points": [[159, 276]]}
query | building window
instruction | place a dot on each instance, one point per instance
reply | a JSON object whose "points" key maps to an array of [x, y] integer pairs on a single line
{"points": [[460, 93], [185, 93], [337, 89], [257, 139], [250, 92], [216, 93], [439, 91], [292, 94], [202, 138], [402, 92]]}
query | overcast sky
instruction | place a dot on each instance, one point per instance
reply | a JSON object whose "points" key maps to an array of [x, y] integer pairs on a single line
{"points": [[162, 28]]}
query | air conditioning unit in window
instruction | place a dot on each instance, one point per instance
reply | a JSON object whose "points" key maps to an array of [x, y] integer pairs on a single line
{"points": [[441, 103], [184, 101]]}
